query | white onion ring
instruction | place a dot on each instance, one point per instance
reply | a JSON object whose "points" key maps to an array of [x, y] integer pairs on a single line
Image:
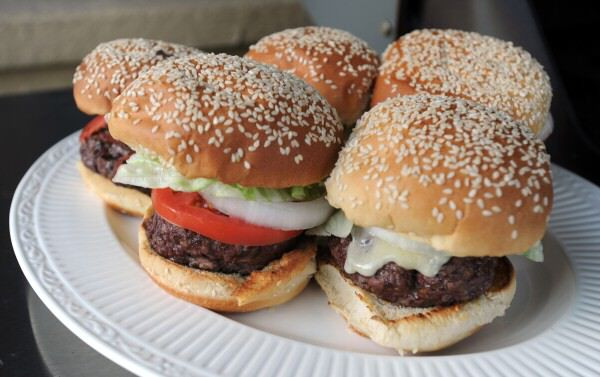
{"points": [[277, 215]]}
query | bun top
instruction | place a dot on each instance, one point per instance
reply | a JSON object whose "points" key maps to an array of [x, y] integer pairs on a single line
{"points": [[465, 178], [339, 65], [470, 66], [232, 119], [111, 66]]}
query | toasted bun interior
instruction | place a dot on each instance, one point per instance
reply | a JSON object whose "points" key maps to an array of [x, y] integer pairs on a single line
{"points": [[278, 282], [122, 199], [412, 330]]}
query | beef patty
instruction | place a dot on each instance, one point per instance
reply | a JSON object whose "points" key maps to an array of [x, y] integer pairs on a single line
{"points": [[191, 249], [102, 154], [459, 280]]}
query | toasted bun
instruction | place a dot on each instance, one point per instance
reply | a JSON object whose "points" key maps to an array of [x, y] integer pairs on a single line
{"points": [[407, 329], [339, 65], [466, 65], [467, 179], [110, 67], [278, 282], [232, 119], [122, 199]]}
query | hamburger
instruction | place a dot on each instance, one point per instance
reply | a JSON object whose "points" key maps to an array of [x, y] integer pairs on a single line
{"points": [[235, 152], [102, 76], [433, 193], [339, 65], [471, 66]]}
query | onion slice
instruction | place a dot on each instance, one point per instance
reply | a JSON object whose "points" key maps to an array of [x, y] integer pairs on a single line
{"points": [[403, 242], [276, 215]]}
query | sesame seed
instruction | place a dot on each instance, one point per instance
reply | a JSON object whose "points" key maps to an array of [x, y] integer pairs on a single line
{"points": [[234, 105], [407, 153], [111, 66], [306, 49], [469, 65]]}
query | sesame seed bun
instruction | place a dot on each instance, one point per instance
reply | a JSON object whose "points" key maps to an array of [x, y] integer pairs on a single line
{"points": [[462, 177], [111, 66], [413, 330], [278, 282], [470, 66], [231, 119], [123, 199], [339, 65]]}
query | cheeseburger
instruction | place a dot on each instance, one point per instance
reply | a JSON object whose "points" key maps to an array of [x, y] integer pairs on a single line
{"points": [[434, 192], [235, 152], [471, 66], [339, 65], [102, 76]]}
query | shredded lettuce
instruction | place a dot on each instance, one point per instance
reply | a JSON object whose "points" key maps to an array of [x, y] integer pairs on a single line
{"points": [[535, 253], [145, 169], [337, 225]]}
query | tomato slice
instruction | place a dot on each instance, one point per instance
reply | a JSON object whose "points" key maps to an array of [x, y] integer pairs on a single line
{"points": [[93, 125], [190, 211]]}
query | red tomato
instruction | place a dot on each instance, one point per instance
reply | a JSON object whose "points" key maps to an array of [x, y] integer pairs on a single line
{"points": [[93, 125], [189, 210]]}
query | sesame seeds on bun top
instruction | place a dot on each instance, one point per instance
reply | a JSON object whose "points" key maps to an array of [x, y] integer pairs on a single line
{"points": [[111, 66], [339, 65], [470, 66], [463, 177], [232, 119]]}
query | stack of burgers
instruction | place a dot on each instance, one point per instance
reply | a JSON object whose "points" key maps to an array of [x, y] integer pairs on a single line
{"points": [[253, 162]]}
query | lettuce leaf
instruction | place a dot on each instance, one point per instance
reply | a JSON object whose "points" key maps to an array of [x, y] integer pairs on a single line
{"points": [[145, 169], [535, 253], [337, 225]]}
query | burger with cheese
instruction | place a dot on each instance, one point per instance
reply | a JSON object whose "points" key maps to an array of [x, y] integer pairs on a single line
{"points": [[433, 193]]}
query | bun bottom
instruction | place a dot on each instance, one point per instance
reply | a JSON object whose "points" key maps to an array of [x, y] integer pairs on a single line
{"points": [[278, 282], [123, 199], [411, 330]]}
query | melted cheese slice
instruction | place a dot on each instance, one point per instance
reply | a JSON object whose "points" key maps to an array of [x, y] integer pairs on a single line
{"points": [[366, 254]]}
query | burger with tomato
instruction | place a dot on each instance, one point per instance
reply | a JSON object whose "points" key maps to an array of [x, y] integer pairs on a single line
{"points": [[102, 76], [235, 152]]}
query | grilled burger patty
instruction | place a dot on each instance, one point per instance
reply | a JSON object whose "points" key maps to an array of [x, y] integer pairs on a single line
{"points": [[194, 250], [459, 280], [102, 154]]}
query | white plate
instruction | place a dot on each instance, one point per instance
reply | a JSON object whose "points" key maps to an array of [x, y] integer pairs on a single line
{"points": [[80, 258]]}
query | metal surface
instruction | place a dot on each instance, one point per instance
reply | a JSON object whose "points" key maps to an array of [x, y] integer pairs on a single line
{"points": [[62, 353]]}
